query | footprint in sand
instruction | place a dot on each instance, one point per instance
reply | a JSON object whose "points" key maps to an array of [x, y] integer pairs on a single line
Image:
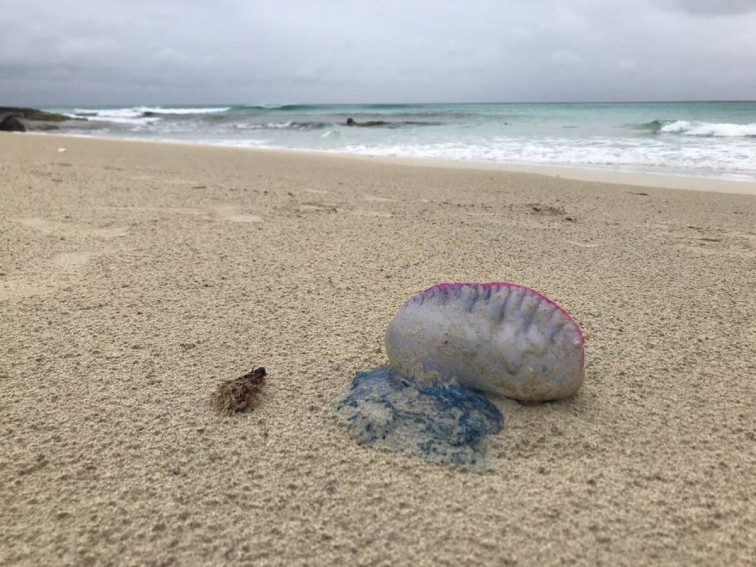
{"points": [[220, 212], [18, 286], [45, 275], [705, 250], [45, 278], [72, 230], [161, 210], [71, 261], [716, 242], [377, 214], [310, 207], [582, 244], [377, 199], [232, 214]]}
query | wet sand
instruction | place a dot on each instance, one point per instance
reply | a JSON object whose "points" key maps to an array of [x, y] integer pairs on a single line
{"points": [[134, 277]]}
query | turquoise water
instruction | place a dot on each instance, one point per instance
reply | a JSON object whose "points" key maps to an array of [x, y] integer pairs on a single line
{"points": [[702, 139]]}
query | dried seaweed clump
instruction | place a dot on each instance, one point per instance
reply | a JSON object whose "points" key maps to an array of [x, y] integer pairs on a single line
{"points": [[241, 393]]}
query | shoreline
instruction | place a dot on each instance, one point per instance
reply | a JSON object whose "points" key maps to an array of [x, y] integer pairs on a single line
{"points": [[638, 179]]}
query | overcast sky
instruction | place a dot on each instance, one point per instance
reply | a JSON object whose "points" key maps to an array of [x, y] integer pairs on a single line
{"points": [[93, 52]]}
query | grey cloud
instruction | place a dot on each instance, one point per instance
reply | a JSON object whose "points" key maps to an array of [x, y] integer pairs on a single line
{"points": [[714, 7], [139, 51]]}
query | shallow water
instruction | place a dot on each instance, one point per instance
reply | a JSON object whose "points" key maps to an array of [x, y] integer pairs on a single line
{"points": [[700, 139]]}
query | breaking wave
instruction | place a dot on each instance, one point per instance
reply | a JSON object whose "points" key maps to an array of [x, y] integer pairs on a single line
{"points": [[709, 129], [275, 107], [697, 128], [288, 125], [140, 114]]}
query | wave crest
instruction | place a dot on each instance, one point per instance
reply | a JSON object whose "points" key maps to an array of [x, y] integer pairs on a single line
{"points": [[288, 125], [141, 114], [709, 129], [653, 126]]}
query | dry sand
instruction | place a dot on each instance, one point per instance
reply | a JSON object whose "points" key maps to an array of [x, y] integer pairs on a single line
{"points": [[134, 277]]}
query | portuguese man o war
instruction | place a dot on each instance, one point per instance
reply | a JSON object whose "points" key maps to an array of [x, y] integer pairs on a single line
{"points": [[450, 345], [496, 337]]}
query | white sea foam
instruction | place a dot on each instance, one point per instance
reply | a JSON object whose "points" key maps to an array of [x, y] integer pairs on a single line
{"points": [[287, 125], [105, 113], [689, 128], [201, 110], [274, 125], [712, 159], [113, 115], [136, 114]]}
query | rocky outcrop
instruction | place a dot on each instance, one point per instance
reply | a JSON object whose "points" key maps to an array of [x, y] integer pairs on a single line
{"points": [[369, 123], [12, 124], [21, 119], [397, 124], [32, 114]]}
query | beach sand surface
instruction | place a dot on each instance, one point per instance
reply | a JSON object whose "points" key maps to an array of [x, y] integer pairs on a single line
{"points": [[135, 276]]}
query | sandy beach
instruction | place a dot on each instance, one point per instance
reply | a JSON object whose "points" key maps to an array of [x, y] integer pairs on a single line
{"points": [[136, 276]]}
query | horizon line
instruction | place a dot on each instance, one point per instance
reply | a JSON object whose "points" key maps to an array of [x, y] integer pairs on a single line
{"points": [[427, 103]]}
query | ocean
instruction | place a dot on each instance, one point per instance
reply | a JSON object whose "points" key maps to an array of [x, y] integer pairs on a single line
{"points": [[696, 139]]}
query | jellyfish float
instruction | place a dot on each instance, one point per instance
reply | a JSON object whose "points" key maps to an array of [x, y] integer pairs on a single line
{"points": [[450, 346]]}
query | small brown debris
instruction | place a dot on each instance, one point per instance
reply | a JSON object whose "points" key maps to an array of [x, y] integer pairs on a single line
{"points": [[241, 393]]}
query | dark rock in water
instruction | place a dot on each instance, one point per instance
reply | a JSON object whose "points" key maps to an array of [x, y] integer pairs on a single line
{"points": [[443, 423], [33, 119], [396, 124], [32, 114], [11, 124], [369, 123]]}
